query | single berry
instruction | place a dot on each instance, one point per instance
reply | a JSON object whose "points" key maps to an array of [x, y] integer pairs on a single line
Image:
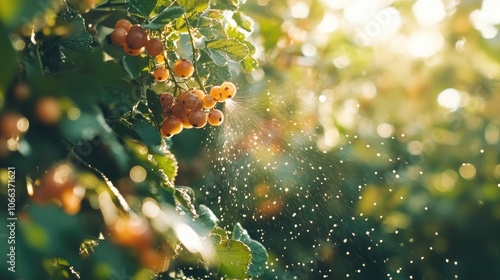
{"points": [[190, 101], [154, 47], [171, 126], [199, 106], [137, 37], [21, 92], [183, 68], [198, 92], [215, 117], [132, 232], [48, 110], [11, 125], [118, 36], [215, 92], [177, 110], [198, 119], [208, 101], [123, 23], [132, 52], [228, 90], [185, 120], [181, 96], [167, 100], [161, 74]]}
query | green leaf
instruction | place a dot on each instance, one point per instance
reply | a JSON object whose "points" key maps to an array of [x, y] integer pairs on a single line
{"points": [[250, 63], [234, 258], [211, 27], [217, 58], [155, 107], [207, 217], [213, 73], [231, 5], [259, 252], [167, 164], [69, 51], [232, 49], [141, 8], [149, 135], [243, 21], [8, 58], [194, 6], [185, 196], [164, 17], [135, 65]]}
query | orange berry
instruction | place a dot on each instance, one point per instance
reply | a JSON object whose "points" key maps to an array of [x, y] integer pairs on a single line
{"points": [[208, 101], [215, 92], [171, 126], [215, 117], [183, 68], [132, 52], [161, 74], [228, 90], [123, 23], [48, 110]]}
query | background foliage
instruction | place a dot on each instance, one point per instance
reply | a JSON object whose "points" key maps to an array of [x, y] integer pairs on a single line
{"points": [[365, 145]]}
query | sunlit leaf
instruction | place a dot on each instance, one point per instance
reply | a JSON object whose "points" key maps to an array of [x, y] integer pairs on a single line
{"points": [[233, 49], [225, 4], [207, 217], [243, 21], [234, 258], [185, 196], [194, 6]]}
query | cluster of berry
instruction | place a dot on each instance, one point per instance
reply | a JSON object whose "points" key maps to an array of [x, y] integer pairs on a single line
{"points": [[188, 109], [134, 39]]}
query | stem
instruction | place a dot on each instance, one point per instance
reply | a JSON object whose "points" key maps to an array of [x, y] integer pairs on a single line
{"points": [[194, 50], [39, 58]]}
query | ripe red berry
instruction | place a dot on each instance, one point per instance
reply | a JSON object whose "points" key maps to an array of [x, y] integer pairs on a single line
{"points": [[123, 23], [118, 36], [190, 101], [215, 117], [167, 100], [154, 47], [171, 126], [183, 68], [177, 110], [198, 119], [161, 74], [137, 37]]}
